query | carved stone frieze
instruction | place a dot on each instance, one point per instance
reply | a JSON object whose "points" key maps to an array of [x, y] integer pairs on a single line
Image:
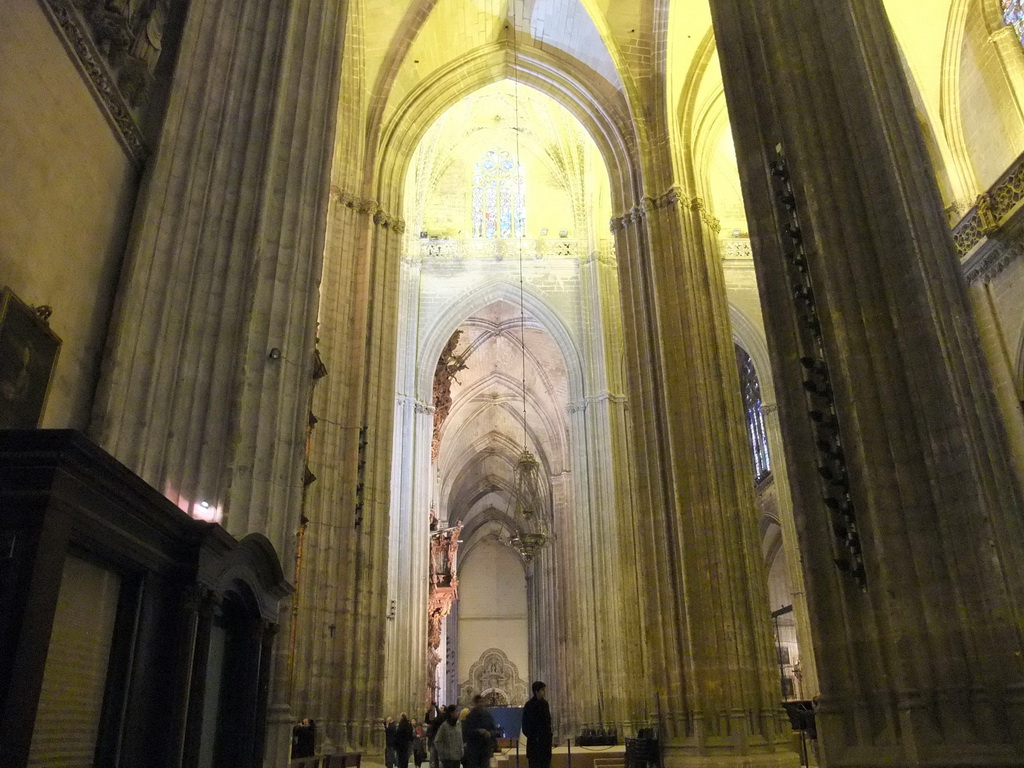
{"points": [[697, 204], [990, 209], [370, 207], [494, 675], [116, 46], [674, 196]]}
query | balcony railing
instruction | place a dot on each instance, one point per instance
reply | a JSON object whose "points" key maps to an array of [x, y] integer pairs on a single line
{"points": [[499, 249], [991, 209]]}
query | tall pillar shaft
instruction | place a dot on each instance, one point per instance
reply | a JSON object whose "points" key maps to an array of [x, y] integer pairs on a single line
{"points": [[791, 547], [707, 620], [406, 648], [343, 585], [921, 664], [222, 267], [604, 512]]}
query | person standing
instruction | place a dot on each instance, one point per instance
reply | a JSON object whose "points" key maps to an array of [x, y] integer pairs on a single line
{"points": [[404, 737], [448, 739], [440, 715], [304, 739], [478, 735], [390, 730], [433, 714], [537, 728]]}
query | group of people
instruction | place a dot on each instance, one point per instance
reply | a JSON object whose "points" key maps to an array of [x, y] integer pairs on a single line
{"points": [[466, 739]]}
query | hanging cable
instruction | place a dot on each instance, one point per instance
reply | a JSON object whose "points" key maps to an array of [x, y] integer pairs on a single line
{"points": [[516, 229]]}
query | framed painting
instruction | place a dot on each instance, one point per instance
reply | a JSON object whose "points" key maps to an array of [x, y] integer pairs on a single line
{"points": [[28, 354]]}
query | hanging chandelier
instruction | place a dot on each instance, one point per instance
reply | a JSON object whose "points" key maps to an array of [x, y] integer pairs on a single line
{"points": [[527, 506]]}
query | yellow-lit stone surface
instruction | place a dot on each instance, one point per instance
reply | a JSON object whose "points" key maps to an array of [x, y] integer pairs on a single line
{"points": [[66, 193], [305, 146]]}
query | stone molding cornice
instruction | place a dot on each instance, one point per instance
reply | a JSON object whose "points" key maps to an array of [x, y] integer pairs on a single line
{"points": [[370, 207], [74, 33], [671, 198], [418, 405], [580, 406], [987, 263]]}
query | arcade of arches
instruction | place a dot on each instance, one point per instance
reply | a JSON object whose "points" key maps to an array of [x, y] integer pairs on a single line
{"points": [[744, 278]]}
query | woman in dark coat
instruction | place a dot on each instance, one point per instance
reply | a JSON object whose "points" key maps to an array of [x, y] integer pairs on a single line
{"points": [[404, 737], [390, 729]]}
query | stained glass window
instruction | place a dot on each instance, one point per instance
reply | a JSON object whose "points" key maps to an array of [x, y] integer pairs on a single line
{"points": [[1013, 14], [499, 201], [758, 436]]}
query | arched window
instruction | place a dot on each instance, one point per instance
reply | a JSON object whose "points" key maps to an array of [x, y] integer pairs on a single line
{"points": [[750, 388], [1013, 14], [499, 201]]}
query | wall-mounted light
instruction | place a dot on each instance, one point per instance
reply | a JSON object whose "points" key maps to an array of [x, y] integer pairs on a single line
{"points": [[274, 354]]}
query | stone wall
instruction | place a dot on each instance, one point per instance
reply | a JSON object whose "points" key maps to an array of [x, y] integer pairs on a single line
{"points": [[67, 189]]}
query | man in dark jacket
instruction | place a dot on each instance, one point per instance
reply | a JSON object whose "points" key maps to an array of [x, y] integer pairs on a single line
{"points": [[537, 728]]}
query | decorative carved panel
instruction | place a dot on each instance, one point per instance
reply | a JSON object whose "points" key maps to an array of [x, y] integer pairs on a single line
{"points": [[495, 677]]}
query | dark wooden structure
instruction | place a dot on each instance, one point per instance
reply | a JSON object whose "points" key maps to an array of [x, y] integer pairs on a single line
{"points": [[127, 628]]}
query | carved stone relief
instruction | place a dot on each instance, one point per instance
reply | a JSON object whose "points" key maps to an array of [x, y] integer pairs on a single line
{"points": [[494, 676]]}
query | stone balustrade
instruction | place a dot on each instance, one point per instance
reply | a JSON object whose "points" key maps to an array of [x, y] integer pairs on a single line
{"points": [[499, 249]]}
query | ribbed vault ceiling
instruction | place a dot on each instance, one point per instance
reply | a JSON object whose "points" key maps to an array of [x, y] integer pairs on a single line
{"points": [[484, 433]]}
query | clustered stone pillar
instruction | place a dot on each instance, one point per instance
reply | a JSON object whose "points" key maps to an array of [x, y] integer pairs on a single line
{"points": [[708, 636], [603, 529], [921, 663], [342, 589], [791, 547], [407, 684], [546, 578], [222, 268]]}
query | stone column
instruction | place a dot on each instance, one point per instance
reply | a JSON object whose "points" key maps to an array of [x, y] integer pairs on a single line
{"points": [[406, 648], [547, 578], [411, 494], [222, 269], [579, 549], [223, 266], [919, 657], [605, 506], [707, 619], [346, 563], [791, 547], [1000, 364]]}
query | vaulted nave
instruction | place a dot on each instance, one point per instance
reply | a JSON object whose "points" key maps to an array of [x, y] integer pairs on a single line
{"points": [[396, 351]]}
